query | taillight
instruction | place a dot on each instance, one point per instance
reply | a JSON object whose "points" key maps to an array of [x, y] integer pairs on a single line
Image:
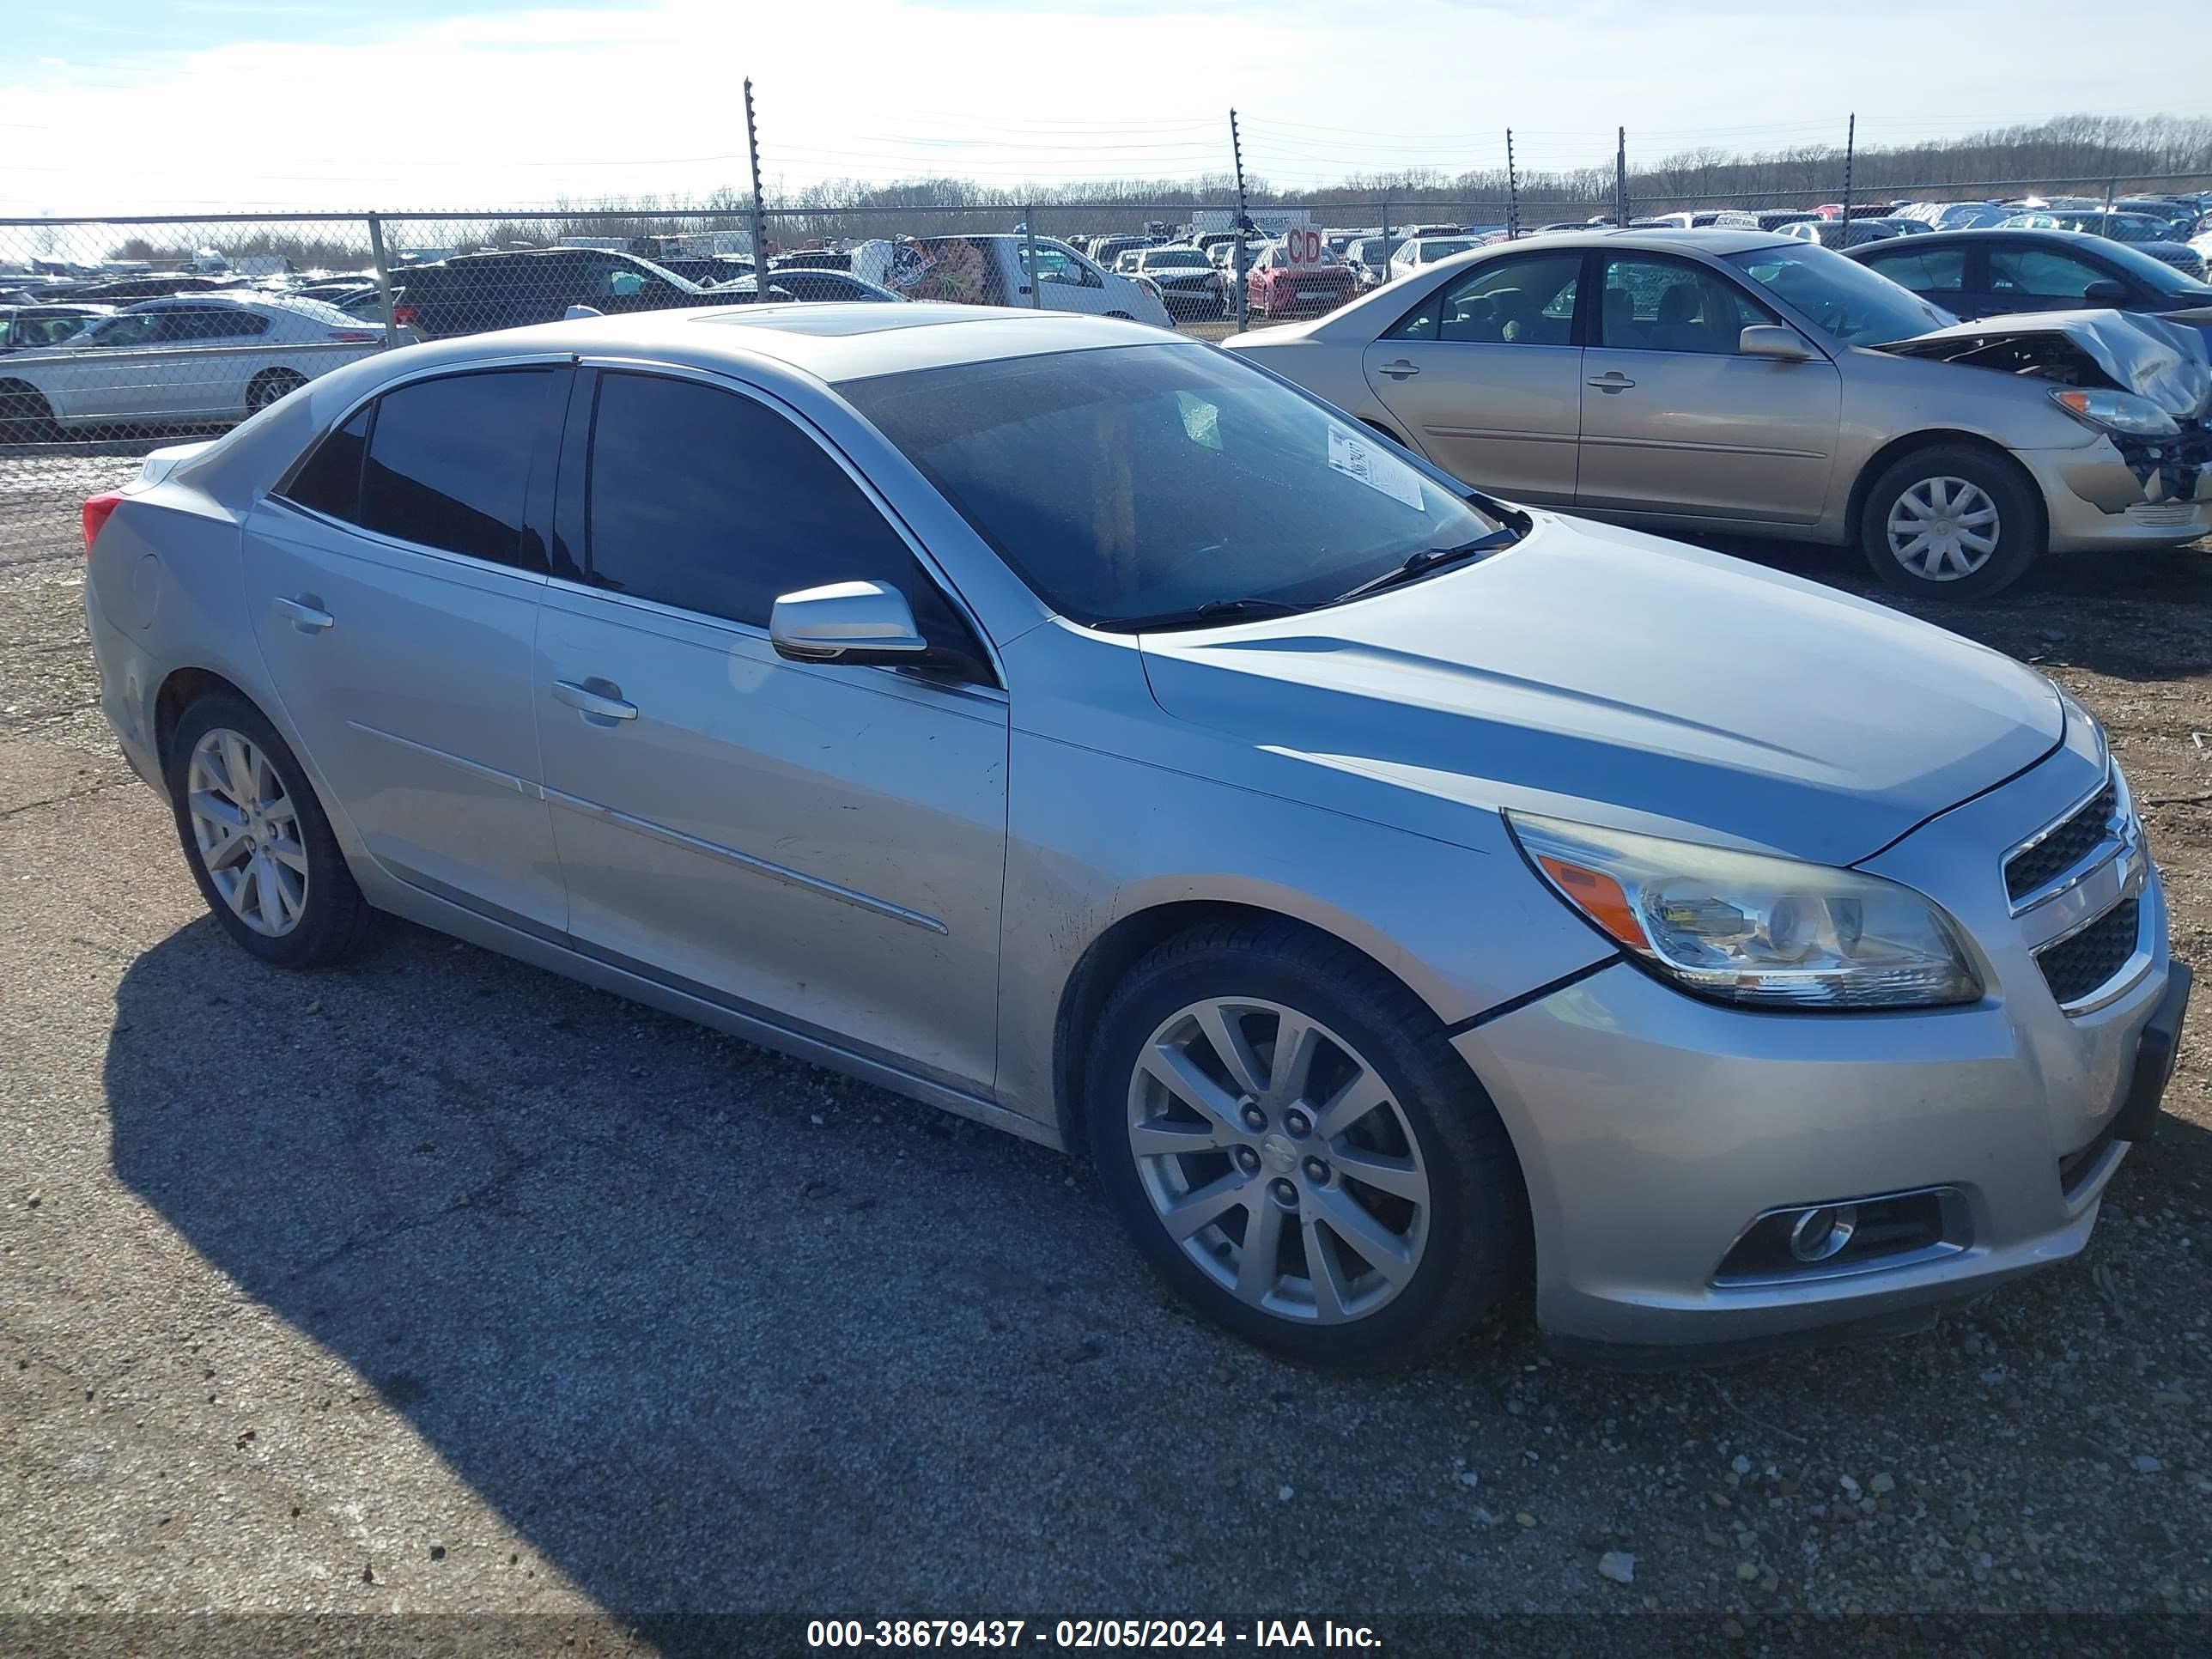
{"points": [[97, 511], [403, 316]]}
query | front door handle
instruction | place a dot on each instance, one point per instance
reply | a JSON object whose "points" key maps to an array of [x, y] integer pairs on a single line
{"points": [[1402, 369], [599, 702], [1612, 380], [305, 613]]}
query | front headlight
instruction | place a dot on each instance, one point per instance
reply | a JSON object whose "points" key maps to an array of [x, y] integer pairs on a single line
{"points": [[1767, 933], [2117, 411]]}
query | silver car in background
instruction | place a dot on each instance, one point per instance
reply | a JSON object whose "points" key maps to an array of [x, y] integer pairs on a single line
{"points": [[1740, 380], [1074, 727]]}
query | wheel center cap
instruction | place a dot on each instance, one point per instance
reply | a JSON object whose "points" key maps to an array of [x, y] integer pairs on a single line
{"points": [[1281, 1156]]}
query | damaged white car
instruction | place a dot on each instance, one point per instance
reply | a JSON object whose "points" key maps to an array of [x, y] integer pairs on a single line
{"points": [[1734, 381]]}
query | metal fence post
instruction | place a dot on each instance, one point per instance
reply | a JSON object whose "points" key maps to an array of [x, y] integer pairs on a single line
{"points": [[1029, 231], [760, 209], [1621, 178], [1850, 147], [1386, 221], [1512, 193], [2111, 189], [1244, 217], [383, 279]]}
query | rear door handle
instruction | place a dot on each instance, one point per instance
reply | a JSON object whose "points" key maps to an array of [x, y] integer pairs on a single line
{"points": [[304, 613], [597, 701], [1612, 380], [1401, 370]]}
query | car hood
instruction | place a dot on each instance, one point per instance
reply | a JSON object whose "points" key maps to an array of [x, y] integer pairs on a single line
{"points": [[2148, 355], [1600, 674]]}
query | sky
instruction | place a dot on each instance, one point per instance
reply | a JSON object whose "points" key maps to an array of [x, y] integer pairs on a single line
{"points": [[205, 106]]}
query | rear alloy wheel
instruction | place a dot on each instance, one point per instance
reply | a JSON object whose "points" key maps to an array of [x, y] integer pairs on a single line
{"points": [[1949, 522], [256, 838], [1287, 1136], [271, 384]]}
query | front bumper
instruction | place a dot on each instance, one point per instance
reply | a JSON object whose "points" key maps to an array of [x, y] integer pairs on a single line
{"points": [[2096, 500], [1654, 1128]]}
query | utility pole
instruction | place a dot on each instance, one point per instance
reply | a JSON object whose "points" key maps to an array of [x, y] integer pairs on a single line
{"points": [[1621, 178], [1850, 147], [1512, 193], [759, 207], [1244, 222]]}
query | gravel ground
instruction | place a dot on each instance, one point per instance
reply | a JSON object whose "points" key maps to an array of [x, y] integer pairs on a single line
{"points": [[438, 1284]]}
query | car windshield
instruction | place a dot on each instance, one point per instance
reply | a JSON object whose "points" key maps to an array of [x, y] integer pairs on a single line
{"points": [[1154, 482], [1432, 251], [1850, 303], [2155, 274]]}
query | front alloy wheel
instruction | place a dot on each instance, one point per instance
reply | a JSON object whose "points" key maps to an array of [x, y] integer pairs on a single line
{"points": [[1275, 1156], [1285, 1133]]}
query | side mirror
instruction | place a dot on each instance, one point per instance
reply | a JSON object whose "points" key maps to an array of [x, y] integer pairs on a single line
{"points": [[1783, 346], [845, 622], [2105, 292]]}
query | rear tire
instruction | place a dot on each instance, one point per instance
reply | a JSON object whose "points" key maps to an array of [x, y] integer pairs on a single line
{"points": [[256, 838], [26, 417], [271, 384], [1376, 1171], [1953, 522]]}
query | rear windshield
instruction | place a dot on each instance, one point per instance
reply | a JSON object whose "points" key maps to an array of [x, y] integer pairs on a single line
{"points": [[1135, 481]]}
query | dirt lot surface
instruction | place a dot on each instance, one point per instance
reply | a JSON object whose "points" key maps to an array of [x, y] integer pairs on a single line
{"points": [[440, 1284]]}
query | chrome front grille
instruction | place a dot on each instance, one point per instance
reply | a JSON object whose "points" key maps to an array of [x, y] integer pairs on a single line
{"points": [[2041, 863], [2081, 963]]}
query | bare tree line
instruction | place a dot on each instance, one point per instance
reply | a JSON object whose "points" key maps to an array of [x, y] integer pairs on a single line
{"points": [[2081, 151]]}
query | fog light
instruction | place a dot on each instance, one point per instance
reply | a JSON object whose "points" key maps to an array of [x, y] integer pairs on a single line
{"points": [[1820, 1233]]}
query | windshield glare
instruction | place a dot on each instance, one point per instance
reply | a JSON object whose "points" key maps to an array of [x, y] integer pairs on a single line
{"points": [[1850, 303], [1141, 481]]}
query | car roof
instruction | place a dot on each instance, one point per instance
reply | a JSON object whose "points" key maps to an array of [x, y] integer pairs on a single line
{"points": [[824, 341], [2032, 235]]}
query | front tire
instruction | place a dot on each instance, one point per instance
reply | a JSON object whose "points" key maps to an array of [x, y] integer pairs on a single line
{"points": [[1287, 1136], [256, 838], [1951, 521]]}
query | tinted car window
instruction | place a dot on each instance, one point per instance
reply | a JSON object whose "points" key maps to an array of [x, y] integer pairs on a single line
{"points": [[449, 461], [1931, 270], [707, 501], [330, 482], [2041, 273], [1663, 305]]}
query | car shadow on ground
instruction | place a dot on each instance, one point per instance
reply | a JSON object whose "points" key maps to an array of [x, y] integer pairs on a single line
{"points": [[718, 1331]]}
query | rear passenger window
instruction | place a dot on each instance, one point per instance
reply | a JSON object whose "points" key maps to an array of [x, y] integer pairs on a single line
{"points": [[330, 482], [704, 499], [449, 463]]}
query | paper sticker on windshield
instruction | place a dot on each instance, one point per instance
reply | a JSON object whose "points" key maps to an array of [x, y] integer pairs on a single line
{"points": [[1356, 458]]}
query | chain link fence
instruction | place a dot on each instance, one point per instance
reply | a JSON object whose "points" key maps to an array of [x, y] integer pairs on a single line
{"points": [[119, 334]]}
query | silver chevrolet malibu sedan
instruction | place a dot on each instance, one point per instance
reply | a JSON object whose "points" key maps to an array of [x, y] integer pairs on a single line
{"points": [[1404, 898]]}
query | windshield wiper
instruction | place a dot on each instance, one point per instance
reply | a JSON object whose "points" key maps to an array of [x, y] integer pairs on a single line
{"points": [[1199, 615], [1428, 559]]}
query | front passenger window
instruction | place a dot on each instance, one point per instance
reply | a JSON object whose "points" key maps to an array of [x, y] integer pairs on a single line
{"points": [[713, 502], [1668, 305]]}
